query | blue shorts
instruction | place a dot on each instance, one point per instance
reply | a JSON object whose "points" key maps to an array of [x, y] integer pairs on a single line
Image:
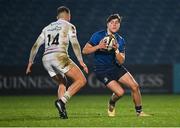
{"points": [[106, 75]]}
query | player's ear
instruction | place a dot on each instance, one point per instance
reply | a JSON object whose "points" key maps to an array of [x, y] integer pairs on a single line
{"points": [[107, 25], [58, 16]]}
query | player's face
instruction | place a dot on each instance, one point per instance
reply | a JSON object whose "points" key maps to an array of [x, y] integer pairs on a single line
{"points": [[113, 26]]}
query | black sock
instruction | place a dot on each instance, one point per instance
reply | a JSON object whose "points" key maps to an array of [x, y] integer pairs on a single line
{"points": [[113, 99], [138, 109], [111, 102]]}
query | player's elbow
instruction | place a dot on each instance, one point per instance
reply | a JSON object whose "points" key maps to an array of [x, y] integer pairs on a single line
{"points": [[87, 49], [84, 51], [121, 60]]}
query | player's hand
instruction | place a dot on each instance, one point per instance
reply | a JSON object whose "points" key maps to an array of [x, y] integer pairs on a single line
{"points": [[28, 70], [102, 45], [85, 68], [115, 46]]}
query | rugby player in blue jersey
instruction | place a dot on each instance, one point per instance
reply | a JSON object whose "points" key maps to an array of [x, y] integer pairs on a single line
{"points": [[108, 65]]}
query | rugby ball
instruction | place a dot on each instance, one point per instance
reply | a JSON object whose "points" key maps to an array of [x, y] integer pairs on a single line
{"points": [[109, 40]]}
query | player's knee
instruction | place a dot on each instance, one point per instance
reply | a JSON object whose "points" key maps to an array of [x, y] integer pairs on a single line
{"points": [[120, 93], [82, 81], [135, 87]]}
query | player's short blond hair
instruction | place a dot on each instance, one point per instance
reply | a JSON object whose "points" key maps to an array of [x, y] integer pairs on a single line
{"points": [[62, 9]]}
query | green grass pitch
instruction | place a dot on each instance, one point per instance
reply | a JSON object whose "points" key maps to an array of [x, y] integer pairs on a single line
{"points": [[88, 110]]}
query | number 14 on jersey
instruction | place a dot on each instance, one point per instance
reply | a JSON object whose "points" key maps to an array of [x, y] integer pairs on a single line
{"points": [[54, 40]]}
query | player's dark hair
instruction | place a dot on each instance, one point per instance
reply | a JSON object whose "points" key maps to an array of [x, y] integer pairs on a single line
{"points": [[62, 9], [114, 16]]}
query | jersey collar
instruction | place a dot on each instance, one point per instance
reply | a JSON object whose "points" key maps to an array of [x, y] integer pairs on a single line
{"points": [[106, 33]]}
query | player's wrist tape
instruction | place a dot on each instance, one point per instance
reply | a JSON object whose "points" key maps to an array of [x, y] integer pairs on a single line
{"points": [[117, 51]]}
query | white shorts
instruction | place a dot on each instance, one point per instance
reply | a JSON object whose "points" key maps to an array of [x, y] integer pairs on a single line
{"points": [[55, 63]]}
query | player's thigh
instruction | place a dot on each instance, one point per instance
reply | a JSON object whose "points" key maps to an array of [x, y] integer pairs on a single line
{"points": [[75, 74], [115, 87], [128, 80]]}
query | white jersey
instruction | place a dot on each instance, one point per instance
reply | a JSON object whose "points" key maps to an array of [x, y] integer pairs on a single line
{"points": [[56, 37]]}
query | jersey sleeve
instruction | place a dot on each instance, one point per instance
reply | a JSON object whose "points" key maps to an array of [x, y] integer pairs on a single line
{"points": [[72, 31], [121, 43], [35, 48], [75, 43], [95, 39]]}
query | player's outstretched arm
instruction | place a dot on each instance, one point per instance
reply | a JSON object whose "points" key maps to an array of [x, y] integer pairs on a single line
{"points": [[34, 51], [77, 50], [76, 47], [88, 48]]}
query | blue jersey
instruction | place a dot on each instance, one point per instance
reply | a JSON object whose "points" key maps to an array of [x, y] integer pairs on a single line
{"points": [[105, 59]]}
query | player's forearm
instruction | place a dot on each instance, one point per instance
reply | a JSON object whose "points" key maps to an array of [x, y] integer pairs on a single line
{"points": [[90, 49], [120, 57], [77, 49], [33, 53], [35, 49]]}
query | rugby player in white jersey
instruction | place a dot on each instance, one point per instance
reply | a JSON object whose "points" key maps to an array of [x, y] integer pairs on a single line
{"points": [[56, 61]]}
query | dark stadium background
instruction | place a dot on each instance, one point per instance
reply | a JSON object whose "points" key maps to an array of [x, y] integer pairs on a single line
{"points": [[151, 29]]}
